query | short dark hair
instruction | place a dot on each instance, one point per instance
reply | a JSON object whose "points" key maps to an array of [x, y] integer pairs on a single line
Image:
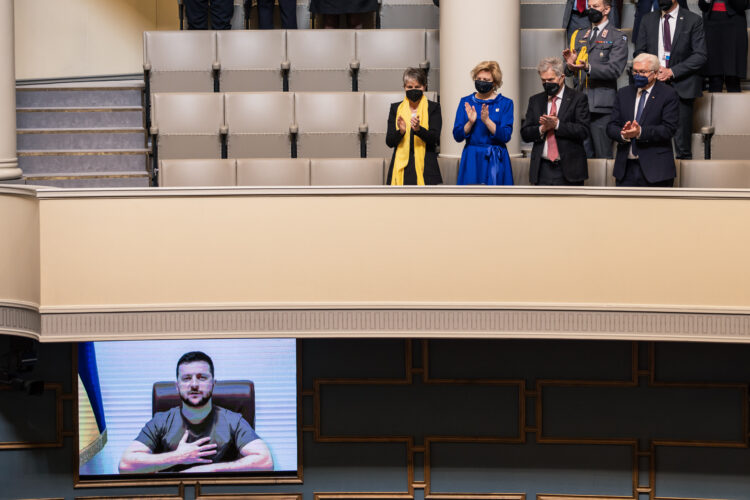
{"points": [[417, 74], [607, 3], [191, 356]]}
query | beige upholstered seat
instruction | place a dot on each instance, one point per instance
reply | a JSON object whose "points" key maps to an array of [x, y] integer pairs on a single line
{"points": [[329, 123], [188, 173], [188, 125], [273, 172], [383, 56], [448, 170], [320, 60], [346, 171], [251, 60], [715, 173], [259, 124], [180, 61], [377, 107], [729, 117], [433, 57], [597, 172], [520, 167]]}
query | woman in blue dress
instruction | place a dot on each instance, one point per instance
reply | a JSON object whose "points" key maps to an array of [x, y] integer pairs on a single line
{"points": [[485, 121]]}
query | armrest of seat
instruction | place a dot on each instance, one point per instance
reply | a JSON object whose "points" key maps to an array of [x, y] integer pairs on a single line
{"points": [[286, 65], [294, 129], [363, 128], [216, 66], [425, 65], [146, 66], [153, 131], [224, 130], [354, 64], [708, 130]]}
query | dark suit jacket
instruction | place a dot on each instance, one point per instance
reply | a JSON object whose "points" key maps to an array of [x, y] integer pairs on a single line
{"points": [[573, 129], [688, 50], [642, 8], [431, 138], [734, 7], [658, 124]]}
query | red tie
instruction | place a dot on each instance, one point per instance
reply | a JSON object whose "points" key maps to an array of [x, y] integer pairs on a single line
{"points": [[552, 153], [580, 5]]}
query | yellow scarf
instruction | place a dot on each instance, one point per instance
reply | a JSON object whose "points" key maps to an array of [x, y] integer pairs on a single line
{"points": [[402, 151]]}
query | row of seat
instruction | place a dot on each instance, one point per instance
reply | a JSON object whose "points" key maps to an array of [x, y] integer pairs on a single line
{"points": [[297, 60], [272, 124], [373, 171], [720, 124], [272, 172]]}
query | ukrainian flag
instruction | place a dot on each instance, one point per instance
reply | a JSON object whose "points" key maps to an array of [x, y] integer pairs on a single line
{"points": [[92, 429]]}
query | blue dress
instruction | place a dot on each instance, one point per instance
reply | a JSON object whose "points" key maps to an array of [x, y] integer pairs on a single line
{"points": [[485, 158]]}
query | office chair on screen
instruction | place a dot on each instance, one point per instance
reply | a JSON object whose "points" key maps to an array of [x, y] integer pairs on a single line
{"points": [[234, 395]]}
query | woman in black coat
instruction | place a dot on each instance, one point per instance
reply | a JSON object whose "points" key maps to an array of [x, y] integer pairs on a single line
{"points": [[414, 126], [726, 41]]}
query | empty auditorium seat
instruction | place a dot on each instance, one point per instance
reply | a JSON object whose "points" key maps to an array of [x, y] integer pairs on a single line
{"points": [[189, 173], [597, 172], [329, 124], [729, 113], [377, 107], [715, 174], [258, 124], [180, 61], [433, 58], [188, 125], [251, 60], [321, 60], [346, 171], [448, 170], [273, 172], [520, 168], [383, 56]]}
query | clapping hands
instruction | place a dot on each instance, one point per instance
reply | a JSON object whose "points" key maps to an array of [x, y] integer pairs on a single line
{"points": [[631, 130]]}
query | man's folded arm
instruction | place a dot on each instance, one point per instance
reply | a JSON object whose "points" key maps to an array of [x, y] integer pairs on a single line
{"points": [[255, 456]]}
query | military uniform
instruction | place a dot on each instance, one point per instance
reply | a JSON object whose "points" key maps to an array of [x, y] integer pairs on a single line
{"points": [[606, 52]]}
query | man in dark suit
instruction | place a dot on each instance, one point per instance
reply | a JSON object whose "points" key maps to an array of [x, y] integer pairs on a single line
{"points": [[644, 120], [197, 12], [575, 16], [287, 8], [676, 36], [557, 122], [643, 7]]}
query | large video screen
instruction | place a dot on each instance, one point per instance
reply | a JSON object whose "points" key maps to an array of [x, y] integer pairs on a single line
{"points": [[167, 409]]}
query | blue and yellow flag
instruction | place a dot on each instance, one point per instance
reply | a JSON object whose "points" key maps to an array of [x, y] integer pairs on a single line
{"points": [[92, 428]]}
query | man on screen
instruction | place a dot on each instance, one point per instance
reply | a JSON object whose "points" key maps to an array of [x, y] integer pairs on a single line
{"points": [[197, 436]]}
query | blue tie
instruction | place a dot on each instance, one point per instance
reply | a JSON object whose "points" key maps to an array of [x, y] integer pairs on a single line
{"points": [[638, 113], [641, 103]]}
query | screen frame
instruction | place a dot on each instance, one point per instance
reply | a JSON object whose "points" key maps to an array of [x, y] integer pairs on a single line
{"points": [[238, 478]]}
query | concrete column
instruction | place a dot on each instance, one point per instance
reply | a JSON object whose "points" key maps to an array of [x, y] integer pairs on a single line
{"points": [[8, 156], [472, 31]]}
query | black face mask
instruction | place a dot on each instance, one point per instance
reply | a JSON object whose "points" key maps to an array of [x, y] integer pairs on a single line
{"points": [[595, 16], [483, 87], [551, 88], [665, 5], [414, 95]]}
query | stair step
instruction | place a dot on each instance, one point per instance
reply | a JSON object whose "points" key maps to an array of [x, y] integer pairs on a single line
{"points": [[72, 138], [41, 162], [45, 97], [89, 180], [79, 117]]}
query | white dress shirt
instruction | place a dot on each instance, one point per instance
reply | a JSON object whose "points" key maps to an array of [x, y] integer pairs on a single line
{"points": [[672, 24], [549, 107]]}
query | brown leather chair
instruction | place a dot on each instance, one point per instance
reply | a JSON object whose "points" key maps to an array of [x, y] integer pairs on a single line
{"points": [[234, 395]]}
